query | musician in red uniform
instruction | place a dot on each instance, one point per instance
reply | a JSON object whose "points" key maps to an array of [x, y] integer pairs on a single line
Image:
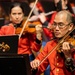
{"points": [[62, 56], [28, 42]]}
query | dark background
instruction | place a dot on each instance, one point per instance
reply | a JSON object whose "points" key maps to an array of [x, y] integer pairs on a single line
{"points": [[48, 5]]}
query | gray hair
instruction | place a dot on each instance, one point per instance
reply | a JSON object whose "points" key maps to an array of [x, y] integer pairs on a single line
{"points": [[69, 16]]}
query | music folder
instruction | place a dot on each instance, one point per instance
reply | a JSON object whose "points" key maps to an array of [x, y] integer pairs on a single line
{"points": [[15, 64]]}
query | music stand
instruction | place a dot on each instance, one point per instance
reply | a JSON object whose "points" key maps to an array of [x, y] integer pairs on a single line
{"points": [[15, 65]]}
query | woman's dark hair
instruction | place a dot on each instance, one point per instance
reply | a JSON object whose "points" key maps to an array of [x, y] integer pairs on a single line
{"points": [[14, 4], [69, 7], [23, 5], [59, 6]]}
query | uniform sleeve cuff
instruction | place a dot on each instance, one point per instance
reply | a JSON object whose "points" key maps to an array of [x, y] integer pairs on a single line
{"points": [[45, 23], [38, 41]]}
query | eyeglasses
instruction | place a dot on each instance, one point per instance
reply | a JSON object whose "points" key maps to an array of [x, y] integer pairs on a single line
{"points": [[60, 25]]}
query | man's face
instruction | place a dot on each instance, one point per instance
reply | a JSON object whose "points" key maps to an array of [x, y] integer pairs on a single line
{"points": [[61, 26]]}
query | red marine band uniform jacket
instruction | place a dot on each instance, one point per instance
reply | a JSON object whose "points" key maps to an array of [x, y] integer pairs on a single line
{"points": [[26, 43], [55, 60]]}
